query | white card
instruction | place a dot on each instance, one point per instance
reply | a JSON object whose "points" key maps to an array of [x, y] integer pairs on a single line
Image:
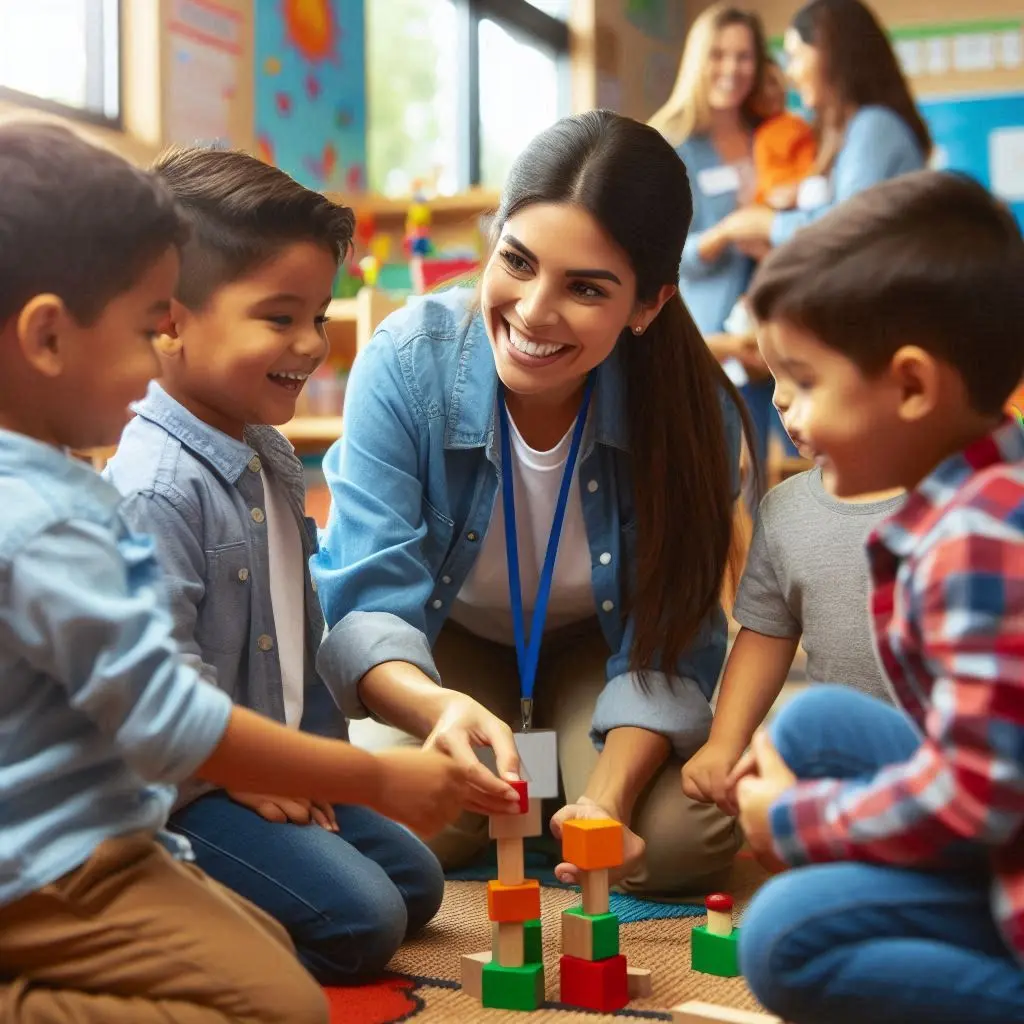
{"points": [[813, 192], [538, 755], [716, 181]]}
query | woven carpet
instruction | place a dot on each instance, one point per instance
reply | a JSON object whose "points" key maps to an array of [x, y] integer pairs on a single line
{"points": [[425, 984]]}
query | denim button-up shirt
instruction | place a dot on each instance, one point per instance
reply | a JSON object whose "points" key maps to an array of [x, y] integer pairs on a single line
{"points": [[200, 493], [414, 480]]}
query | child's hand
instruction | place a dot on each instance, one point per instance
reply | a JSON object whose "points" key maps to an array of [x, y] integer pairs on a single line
{"points": [[757, 792], [632, 845], [422, 789], [706, 775], [297, 810]]}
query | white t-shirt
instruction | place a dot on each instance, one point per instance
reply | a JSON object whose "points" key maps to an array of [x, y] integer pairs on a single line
{"points": [[483, 605], [287, 596]]}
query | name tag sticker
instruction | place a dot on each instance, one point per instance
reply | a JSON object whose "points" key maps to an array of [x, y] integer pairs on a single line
{"points": [[716, 181], [538, 756]]}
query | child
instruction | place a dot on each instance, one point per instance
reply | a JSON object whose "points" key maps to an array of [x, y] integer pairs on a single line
{"points": [[898, 318], [806, 579], [223, 491], [101, 921]]}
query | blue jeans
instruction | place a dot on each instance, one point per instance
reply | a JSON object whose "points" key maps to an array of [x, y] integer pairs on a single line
{"points": [[348, 898], [849, 943]]}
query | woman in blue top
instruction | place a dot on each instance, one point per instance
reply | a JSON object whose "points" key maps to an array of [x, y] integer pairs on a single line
{"points": [[869, 128], [710, 119], [570, 407]]}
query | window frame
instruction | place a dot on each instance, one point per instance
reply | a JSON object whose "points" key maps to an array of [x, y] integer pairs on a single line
{"points": [[99, 64], [526, 21]]}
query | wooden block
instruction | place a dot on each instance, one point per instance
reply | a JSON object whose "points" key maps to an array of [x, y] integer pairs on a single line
{"points": [[513, 902], [640, 983], [715, 954], [719, 908], [522, 788], [508, 943], [511, 870], [587, 937], [592, 843], [533, 943], [473, 973], [600, 985], [696, 1012], [516, 826], [513, 988], [595, 892]]}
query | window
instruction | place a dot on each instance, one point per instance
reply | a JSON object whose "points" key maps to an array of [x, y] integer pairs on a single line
{"points": [[456, 88], [62, 56]]}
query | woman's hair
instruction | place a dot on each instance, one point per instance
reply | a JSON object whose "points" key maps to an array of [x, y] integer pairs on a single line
{"points": [[627, 177], [687, 111], [858, 68]]}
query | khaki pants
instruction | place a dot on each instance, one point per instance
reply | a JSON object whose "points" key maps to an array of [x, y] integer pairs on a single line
{"points": [[135, 937], [689, 845]]}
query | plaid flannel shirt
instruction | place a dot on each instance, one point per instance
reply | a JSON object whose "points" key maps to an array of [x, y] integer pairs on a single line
{"points": [[948, 611]]}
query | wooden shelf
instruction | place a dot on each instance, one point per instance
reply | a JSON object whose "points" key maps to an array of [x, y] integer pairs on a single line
{"points": [[466, 204]]}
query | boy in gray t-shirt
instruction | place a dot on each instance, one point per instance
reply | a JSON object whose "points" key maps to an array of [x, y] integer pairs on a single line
{"points": [[806, 579]]}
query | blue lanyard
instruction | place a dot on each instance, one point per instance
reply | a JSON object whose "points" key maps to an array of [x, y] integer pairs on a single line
{"points": [[527, 656]]}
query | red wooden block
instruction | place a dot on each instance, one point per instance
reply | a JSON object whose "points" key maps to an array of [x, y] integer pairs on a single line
{"points": [[524, 798], [601, 985]]}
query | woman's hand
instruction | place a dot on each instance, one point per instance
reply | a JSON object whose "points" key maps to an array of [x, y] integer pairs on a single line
{"points": [[632, 845], [464, 724], [752, 224]]}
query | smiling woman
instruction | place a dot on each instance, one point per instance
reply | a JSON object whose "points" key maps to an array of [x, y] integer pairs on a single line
{"points": [[526, 476]]}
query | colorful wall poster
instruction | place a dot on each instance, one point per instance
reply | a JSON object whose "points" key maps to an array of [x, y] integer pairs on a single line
{"points": [[311, 91]]}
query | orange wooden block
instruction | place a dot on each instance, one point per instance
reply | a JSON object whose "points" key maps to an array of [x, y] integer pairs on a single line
{"points": [[513, 902], [592, 843]]}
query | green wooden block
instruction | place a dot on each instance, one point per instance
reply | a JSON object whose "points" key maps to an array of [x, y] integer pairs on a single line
{"points": [[513, 988], [604, 934], [532, 946], [714, 954]]}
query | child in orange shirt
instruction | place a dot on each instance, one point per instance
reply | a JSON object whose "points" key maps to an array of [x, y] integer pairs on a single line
{"points": [[784, 146]]}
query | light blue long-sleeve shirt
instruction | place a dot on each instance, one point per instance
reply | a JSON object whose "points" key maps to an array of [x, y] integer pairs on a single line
{"points": [[100, 716], [710, 290], [414, 480], [878, 145]]}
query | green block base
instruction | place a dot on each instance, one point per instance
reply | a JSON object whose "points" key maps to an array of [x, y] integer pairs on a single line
{"points": [[533, 950], [605, 932], [714, 954], [513, 988]]}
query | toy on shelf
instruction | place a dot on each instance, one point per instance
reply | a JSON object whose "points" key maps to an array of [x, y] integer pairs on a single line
{"points": [[511, 975], [713, 946], [695, 1012], [417, 228], [592, 971]]}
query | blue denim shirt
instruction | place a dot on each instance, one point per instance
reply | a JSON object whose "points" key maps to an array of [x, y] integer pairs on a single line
{"points": [[877, 146], [414, 480], [99, 715], [200, 493], [710, 290]]}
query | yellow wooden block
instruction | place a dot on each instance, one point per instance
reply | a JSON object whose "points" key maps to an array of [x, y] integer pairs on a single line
{"points": [[507, 943], [592, 843], [472, 973], [595, 892], [511, 869]]}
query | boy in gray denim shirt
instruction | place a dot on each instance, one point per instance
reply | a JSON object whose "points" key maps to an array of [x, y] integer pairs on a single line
{"points": [[222, 490]]}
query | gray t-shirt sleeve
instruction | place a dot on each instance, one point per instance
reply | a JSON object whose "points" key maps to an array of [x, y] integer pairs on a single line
{"points": [[760, 600]]}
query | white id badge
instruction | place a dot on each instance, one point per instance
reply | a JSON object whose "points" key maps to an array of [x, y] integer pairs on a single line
{"points": [[538, 756], [813, 193], [716, 181]]}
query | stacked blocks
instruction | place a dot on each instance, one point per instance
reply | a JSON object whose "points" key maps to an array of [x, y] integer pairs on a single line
{"points": [[511, 976], [713, 947], [592, 972]]}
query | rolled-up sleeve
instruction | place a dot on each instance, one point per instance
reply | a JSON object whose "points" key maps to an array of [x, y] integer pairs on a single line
{"points": [[371, 575], [91, 613]]}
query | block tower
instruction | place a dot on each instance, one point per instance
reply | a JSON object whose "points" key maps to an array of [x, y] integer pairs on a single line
{"points": [[713, 946], [592, 971], [511, 975]]}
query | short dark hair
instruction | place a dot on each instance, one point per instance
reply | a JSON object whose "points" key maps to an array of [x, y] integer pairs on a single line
{"points": [[242, 211], [76, 221], [928, 259]]}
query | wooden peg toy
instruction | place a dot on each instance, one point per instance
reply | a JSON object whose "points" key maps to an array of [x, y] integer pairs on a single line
{"points": [[714, 946], [696, 1012]]}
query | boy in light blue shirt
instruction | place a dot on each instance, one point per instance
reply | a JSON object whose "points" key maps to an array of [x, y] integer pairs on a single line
{"points": [[101, 917], [202, 467]]}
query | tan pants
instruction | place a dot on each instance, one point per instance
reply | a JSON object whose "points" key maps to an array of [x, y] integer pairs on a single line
{"points": [[689, 845], [135, 937]]}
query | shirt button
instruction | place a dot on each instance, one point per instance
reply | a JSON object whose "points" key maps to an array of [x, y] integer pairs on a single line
{"points": [[472, 536], [255, 465], [257, 515], [265, 643], [592, 486], [606, 558], [608, 606], [436, 603], [243, 575], [446, 579]]}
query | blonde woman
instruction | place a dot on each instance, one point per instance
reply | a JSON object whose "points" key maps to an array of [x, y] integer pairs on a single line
{"points": [[710, 120]]}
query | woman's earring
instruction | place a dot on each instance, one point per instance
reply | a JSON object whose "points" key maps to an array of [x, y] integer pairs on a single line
{"points": [[638, 330]]}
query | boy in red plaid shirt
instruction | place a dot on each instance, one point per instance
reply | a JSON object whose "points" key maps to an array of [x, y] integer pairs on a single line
{"points": [[893, 330]]}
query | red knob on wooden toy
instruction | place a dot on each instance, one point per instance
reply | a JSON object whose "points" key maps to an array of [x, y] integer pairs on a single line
{"points": [[720, 901]]}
